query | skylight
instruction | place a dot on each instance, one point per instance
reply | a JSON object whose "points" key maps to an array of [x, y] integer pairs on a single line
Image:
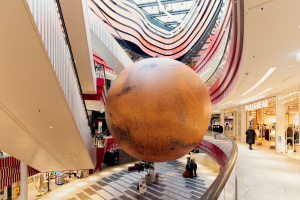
{"points": [[169, 12]]}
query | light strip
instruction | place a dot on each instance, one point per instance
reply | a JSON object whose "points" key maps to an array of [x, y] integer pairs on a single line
{"points": [[226, 103], [261, 80], [288, 95], [289, 100], [205, 72], [256, 95]]}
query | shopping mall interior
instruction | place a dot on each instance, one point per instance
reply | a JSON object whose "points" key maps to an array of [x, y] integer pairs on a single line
{"points": [[149, 99]]}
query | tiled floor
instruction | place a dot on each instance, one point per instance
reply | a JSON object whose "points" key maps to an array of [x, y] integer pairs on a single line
{"points": [[263, 174], [117, 183]]}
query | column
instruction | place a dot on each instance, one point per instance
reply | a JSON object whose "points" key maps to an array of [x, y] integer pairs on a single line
{"points": [[222, 120], [280, 126], [234, 124], [243, 124], [5, 193], [24, 183], [238, 123], [153, 172]]}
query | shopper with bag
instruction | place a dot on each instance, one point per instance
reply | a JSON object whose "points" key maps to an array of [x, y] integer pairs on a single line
{"points": [[189, 168], [194, 167]]}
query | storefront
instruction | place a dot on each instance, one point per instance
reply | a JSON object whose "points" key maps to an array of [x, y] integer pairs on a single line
{"points": [[41, 183], [261, 115], [230, 123], [288, 122]]}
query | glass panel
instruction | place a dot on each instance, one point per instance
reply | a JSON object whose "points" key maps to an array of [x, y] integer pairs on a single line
{"points": [[226, 145], [167, 11], [288, 126]]}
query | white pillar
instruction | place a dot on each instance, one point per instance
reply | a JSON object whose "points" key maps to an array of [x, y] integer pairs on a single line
{"points": [[24, 183], [222, 120], [234, 123], [153, 172], [280, 126], [243, 124], [238, 123], [5, 193]]}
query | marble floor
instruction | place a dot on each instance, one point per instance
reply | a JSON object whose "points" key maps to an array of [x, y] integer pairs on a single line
{"points": [[117, 183], [263, 174]]}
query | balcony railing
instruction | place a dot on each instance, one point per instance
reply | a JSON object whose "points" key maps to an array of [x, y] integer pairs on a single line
{"points": [[224, 151]]}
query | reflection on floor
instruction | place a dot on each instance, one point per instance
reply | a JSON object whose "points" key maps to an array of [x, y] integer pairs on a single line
{"points": [[117, 183], [294, 154], [264, 174], [32, 191], [266, 143]]}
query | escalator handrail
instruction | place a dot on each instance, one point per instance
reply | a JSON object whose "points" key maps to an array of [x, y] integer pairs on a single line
{"points": [[215, 189]]}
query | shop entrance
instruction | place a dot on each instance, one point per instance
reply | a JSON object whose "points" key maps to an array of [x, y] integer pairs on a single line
{"points": [[262, 118], [230, 122], [289, 102]]}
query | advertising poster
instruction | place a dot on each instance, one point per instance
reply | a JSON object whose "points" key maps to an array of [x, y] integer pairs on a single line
{"points": [[142, 187]]}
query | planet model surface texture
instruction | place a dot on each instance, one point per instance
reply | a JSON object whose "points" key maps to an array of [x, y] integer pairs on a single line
{"points": [[158, 109]]}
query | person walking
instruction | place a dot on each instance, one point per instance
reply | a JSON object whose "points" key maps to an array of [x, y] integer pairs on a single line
{"points": [[250, 138], [194, 167], [189, 168], [220, 129]]}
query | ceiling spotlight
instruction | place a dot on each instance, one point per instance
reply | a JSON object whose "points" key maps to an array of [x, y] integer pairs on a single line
{"points": [[51, 127]]}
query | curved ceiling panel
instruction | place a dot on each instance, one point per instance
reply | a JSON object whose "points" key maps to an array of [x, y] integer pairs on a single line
{"points": [[125, 24], [228, 77]]}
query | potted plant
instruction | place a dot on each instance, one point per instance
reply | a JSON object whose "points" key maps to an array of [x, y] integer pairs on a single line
{"points": [[157, 178], [146, 166]]}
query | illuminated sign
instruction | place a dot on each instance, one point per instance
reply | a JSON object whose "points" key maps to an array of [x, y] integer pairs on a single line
{"points": [[257, 105]]}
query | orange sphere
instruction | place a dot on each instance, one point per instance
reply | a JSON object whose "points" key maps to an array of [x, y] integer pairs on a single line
{"points": [[158, 109]]}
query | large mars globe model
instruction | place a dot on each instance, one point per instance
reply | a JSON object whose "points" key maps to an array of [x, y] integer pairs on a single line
{"points": [[158, 109]]}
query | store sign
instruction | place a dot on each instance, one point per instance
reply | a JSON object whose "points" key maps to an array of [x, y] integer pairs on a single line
{"points": [[257, 105]]}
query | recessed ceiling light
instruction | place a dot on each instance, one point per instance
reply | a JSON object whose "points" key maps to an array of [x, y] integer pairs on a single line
{"points": [[74, 158], [51, 127], [289, 66]]}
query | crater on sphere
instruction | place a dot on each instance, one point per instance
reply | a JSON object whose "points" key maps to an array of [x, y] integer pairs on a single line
{"points": [[158, 109]]}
